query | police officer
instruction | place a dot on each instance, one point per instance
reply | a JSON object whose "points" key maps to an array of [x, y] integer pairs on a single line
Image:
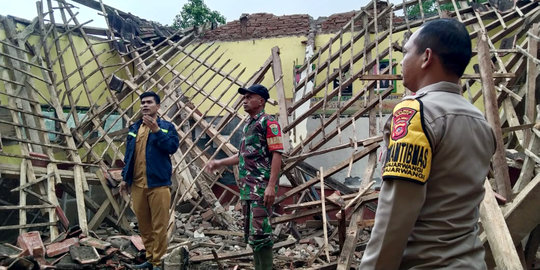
{"points": [[438, 154], [259, 161]]}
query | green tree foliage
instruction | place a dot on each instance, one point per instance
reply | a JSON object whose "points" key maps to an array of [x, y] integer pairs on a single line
{"points": [[429, 8], [196, 13]]}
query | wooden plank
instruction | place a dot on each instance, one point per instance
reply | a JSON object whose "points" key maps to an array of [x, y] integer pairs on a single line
{"points": [[513, 120], [22, 197], [11, 171], [323, 209], [33, 108], [99, 216], [223, 233], [532, 74], [51, 196], [79, 197], [280, 89], [347, 252], [18, 207], [500, 167], [23, 227], [498, 235], [522, 215], [372, 115], [363, 190]]}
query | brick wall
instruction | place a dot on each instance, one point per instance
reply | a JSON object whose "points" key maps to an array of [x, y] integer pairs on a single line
{"points": [[261, 25], [336, 21], [265, 25]]}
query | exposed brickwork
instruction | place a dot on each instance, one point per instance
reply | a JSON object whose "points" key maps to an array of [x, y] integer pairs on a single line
{"points": [[265, 25], [261, 25], [335, 22]]}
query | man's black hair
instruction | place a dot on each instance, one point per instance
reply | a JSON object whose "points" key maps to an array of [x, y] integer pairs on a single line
{"points": [[449, 40], [150, 94]]}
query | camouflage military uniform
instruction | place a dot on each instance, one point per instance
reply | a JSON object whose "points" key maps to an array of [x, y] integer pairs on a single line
{"points": [[262, 136]]}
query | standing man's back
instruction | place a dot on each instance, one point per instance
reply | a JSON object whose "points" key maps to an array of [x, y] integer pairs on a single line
{"points": [[439, 151]]}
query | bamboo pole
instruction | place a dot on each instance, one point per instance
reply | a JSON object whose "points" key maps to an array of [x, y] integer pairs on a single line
{"points": [[323, 205], [500, 166]]}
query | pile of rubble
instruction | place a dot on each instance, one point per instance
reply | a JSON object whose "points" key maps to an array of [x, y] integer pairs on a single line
{"points": [[72, 250], [196, 244]]}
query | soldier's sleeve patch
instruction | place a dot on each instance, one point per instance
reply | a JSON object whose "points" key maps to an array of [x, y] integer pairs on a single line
{"points": [[409, 150], [273, 135]]}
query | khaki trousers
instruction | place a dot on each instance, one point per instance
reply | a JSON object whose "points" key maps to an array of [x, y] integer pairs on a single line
{"points": [[151, 207]]}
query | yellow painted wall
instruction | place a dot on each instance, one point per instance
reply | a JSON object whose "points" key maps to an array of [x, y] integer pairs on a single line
{"points": [[250, 54]]}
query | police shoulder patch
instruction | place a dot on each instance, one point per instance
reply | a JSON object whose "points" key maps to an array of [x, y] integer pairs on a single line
{"points": [[400, 122], [409, 150]]}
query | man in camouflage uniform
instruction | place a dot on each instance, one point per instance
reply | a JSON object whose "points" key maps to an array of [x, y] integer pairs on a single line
{"points": [[259, 162]]}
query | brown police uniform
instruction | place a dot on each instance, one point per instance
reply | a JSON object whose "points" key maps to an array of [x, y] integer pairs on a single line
{"points": [[438, 154]]}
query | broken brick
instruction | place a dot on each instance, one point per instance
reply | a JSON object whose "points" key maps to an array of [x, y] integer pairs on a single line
{"points": [[137, 242], [31, 244], [207, 215], [94, 242], [58, 248]]}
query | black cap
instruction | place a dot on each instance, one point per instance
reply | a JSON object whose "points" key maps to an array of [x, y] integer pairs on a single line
{"points": [[255, 89]]}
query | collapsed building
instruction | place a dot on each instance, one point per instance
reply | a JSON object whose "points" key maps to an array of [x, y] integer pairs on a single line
{"points": [[68, 92]]}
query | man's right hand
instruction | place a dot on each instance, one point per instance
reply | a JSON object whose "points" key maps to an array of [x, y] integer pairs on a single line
{"points": [[123, 187], [212, 166]]}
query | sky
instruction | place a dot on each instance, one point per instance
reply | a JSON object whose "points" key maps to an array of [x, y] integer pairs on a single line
{"points": [[163, 11]]}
